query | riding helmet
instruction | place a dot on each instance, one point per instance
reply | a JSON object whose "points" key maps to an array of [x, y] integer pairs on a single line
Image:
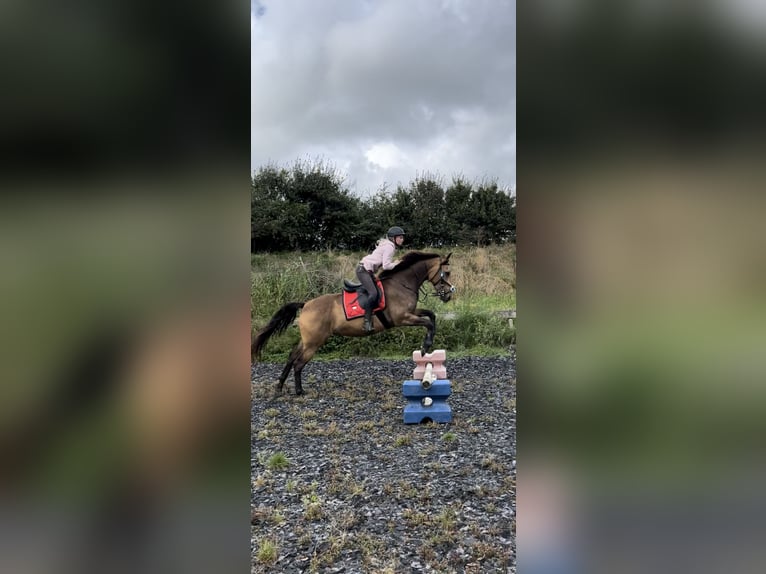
{"points": [[394, 231]]}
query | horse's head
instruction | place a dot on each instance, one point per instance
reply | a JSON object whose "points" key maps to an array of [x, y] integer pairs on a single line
{"points": [[440, 280]]}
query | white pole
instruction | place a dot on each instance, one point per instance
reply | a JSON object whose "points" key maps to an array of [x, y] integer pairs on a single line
{"points": [[428, 376]]}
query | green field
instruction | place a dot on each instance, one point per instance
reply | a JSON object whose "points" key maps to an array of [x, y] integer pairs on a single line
{"points": [[469, 324]]}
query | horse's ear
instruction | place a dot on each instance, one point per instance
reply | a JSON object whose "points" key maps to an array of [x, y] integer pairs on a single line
{"points": [[446, 259]]}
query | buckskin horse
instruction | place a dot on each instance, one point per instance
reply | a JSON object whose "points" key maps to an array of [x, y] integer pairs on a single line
{"points": [[323, 316]]}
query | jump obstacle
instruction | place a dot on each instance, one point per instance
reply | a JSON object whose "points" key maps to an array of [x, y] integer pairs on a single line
{"points": [[427, 391]]}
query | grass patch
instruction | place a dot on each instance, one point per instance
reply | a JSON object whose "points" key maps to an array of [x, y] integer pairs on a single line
{"points": [[312, 507], [277, 461], [402, 440], [267, 552]]}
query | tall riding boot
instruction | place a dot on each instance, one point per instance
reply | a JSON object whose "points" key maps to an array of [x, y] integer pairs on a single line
{"points": [[368, 320]]}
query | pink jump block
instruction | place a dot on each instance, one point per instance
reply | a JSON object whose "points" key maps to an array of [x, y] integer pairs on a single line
{"points": [[436, 358]]}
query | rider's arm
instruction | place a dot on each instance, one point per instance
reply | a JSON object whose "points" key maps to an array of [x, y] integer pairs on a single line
{"points": [[387, 254]]}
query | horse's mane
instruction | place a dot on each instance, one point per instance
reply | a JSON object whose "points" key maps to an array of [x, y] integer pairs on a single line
{"points": [[408, 260]]}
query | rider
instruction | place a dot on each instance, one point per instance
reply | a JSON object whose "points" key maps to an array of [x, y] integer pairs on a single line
{"points": [[382, 256]]}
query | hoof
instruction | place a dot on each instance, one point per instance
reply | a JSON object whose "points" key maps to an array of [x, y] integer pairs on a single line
{"points": [[299, 392]]}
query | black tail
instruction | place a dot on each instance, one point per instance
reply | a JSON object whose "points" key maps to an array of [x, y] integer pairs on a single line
{"points": [[281, 320]]}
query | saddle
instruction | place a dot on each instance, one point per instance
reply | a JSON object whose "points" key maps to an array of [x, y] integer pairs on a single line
{"points": [[354, 296], [350, 286]]}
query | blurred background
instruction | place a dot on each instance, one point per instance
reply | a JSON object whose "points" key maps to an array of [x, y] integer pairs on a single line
{"points": [[642, 261], [124, 291]]}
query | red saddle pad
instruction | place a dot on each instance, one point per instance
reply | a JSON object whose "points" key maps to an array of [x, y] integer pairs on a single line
{"points": [[353, 309]]}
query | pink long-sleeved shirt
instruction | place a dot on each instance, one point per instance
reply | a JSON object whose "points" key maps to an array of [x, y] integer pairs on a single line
{"points": [[382, 256]]}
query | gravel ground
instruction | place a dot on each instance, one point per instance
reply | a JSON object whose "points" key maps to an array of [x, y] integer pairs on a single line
{"points": [[341, 484]]}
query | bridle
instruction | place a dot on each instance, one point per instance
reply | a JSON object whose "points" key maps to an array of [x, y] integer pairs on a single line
{"points": [[443, 287]]}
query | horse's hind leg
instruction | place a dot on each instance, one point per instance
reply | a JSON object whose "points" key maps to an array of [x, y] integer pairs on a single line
{"points": [[308, 353], [294, 354], [315, 328]]}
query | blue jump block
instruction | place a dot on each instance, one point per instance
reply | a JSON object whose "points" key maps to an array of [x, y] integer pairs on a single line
{"points": [[439, 388], [438, 411]]}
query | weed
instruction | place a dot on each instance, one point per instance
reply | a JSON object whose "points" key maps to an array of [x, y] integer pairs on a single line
{"points": [[277, 517], [365, 426], [311, 498], [427, 552], [354, 488], [465, 471], [272, 424], [406, 491], [389, 404], [427, 449], [483, 550], [311, 428], [446, 518], [277, 461], [425, 495], [442, 537], [371, 548], [480, 491], [304, 539], [331, 429], [313, 512], [312, 506], [490, 462], [403, 439], [415, 518], [267, 552], [348, 520]]}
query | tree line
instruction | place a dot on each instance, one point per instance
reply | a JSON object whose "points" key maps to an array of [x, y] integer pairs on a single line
{"points": [[306, 207]]}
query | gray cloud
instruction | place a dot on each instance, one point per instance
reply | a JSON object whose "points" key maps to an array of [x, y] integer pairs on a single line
{"points": [[386, 89]]}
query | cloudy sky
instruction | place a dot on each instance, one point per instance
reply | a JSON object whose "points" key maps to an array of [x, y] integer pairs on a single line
{"points": [[386, 89]]}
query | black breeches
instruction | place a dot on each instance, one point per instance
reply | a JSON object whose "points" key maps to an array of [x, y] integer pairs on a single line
{"points": [[366, 279]]}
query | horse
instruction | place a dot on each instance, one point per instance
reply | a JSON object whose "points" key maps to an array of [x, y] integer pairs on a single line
{"points": [[323, 316]]}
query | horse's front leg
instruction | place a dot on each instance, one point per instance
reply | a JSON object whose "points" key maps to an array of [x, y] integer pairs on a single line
{"points": [[428, 342], [422, 318]]}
